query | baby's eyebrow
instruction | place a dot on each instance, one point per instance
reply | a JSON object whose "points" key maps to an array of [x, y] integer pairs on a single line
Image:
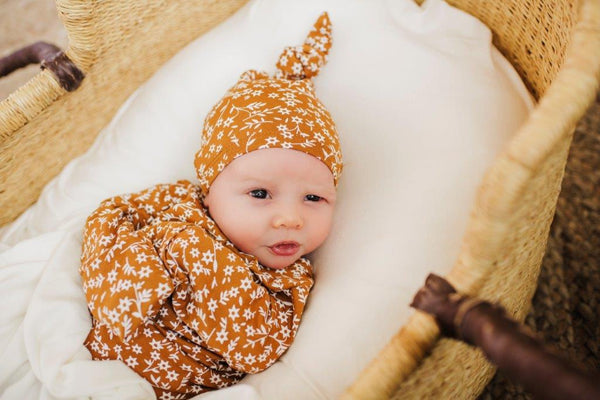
{"points": [[322, 190], [247, 178], [253, 179]]}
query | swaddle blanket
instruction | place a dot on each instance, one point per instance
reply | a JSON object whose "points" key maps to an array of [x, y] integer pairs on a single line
{"points": [[178, 303], [170, 295]]}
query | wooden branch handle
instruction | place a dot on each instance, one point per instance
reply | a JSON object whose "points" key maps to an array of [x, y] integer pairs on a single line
{"points": [[505, 343], [50, 57]]}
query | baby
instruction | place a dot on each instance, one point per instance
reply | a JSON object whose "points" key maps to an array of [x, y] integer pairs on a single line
{"points": [[195, 285]]}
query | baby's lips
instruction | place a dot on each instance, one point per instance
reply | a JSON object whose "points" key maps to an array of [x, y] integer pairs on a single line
{"points": [[285, 248]]}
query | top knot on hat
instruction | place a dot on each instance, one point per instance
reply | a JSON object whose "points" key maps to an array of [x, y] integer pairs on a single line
{"points": [[305, 61], [260, 112]]}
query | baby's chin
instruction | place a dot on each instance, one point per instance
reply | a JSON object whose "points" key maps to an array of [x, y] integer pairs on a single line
{"points": [[267, 258], [277, 264]]}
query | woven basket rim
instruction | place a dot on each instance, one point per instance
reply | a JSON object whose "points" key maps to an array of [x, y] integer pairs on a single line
{"points": [[577, 83], [40, 91]]}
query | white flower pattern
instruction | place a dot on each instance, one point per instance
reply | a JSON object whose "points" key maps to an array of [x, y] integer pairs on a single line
{"points": [[196, 314], [169, 295], [261, 112]]}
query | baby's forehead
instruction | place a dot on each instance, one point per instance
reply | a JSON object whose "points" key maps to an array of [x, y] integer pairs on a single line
{"points": [[284, 175], [279, 166], [278, 161]]}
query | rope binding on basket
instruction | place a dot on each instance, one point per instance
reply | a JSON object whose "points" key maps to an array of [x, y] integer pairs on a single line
{"points": [[49, 57]]}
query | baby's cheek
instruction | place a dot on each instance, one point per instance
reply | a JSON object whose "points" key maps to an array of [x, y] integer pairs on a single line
{"points": [[324, 228], [246, 245], [238, 239], [316, 241]]}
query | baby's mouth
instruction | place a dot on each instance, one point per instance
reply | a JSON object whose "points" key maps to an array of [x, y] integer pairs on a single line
{"points": [[285, 248]]}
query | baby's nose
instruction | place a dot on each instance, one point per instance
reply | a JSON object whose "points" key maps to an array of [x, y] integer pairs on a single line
{"points": [[288, 218]]}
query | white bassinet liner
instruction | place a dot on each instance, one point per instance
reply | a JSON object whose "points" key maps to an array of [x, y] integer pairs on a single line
{"points": [[423, 103]]}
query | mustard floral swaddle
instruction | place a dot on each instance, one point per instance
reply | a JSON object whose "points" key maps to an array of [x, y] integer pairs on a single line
{"points": [[169, 295], [174, 300]]}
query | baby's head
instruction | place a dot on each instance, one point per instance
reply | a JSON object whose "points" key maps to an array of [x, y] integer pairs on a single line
{"points": [[271, 159]]}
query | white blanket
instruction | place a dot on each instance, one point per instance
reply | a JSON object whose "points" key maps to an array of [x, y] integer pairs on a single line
{"points": [[43, 323]]}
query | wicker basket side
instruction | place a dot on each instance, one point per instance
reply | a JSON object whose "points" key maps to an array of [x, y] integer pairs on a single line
{"points": [[119, 45], [508, 229], [454, 370], [532, 35]]}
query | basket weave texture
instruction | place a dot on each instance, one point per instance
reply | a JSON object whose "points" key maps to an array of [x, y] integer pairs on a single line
{"points": [[553, 44], [566, 305], [555, 47], [119, 45]]}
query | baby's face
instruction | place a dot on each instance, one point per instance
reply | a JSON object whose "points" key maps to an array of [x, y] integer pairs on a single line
{"points": [[276, 204]]}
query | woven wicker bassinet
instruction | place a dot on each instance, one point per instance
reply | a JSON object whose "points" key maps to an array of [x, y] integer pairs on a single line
{"points": [[553, 44]]}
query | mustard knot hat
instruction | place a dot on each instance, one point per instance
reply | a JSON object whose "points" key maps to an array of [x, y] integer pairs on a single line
{"points": [[260, 112]]}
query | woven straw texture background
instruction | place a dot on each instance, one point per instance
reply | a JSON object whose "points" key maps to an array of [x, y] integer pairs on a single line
{"points": [[566, 305], [565, 309], [23, 22]]}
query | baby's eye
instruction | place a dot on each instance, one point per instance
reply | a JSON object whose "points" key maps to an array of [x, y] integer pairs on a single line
{"points": [[259, 193], [312, 197]]}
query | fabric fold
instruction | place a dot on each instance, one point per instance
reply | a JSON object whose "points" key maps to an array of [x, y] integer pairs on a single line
{"points": [[176, 301]]}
